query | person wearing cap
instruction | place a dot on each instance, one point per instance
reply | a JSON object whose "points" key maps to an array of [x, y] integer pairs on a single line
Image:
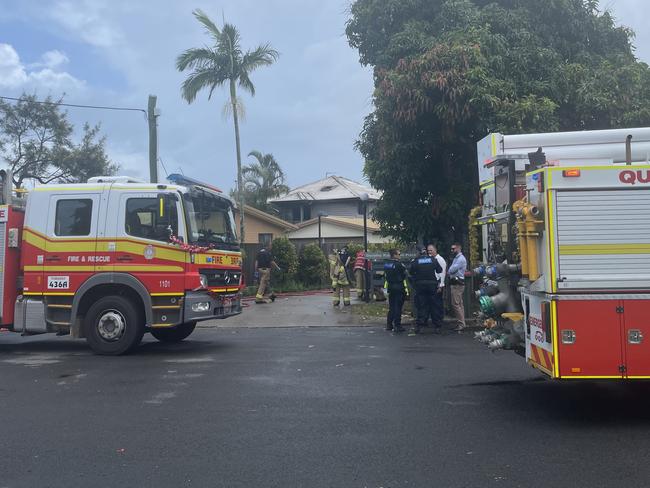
{"points": [[395, 282]]}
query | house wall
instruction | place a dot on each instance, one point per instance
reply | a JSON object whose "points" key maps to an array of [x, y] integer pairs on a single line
{"points": [[337, 208], [330, 230], [255, 226]]}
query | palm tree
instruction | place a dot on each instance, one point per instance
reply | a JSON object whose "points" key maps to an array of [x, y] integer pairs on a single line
{"points": [[224, 63], [264, 179]]}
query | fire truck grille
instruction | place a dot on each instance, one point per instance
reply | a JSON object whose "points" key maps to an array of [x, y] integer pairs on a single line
{"points": [[221, 277]]}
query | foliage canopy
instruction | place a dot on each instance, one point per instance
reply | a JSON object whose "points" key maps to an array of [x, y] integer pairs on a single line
{"points": [[36, 144], [263, 179], [447, 72], [312, 265], [286, 257]]}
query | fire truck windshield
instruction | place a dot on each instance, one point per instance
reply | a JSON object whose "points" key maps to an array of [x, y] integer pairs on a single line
{"points": [[210, 220]]}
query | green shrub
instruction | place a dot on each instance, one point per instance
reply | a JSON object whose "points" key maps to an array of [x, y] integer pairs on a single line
{"points": [[312, 265], [286, 257], [354, 248]]}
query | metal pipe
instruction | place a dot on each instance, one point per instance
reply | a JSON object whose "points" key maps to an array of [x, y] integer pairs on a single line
{"points": [[628, 149], [533, 226], [517, 207]]}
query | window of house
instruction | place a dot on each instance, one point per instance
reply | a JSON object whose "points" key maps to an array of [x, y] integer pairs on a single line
{"points": [[295, 214], [145, 219], [306, 214], [73, 217], [265, 239]]}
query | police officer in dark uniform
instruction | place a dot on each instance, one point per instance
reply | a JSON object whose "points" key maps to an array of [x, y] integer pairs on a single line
{"points": [[423, 273], [395, 283]]}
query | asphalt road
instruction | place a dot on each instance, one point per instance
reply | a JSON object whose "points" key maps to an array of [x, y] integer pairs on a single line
{"points": [[309, 407]]}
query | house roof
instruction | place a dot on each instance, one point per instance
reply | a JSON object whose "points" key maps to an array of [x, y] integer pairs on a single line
{"points": [[271, 219], [351, 222], [330, 188]]}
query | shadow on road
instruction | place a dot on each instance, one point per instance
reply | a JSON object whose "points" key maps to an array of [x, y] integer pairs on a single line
{"points": [[72, 347], [585, 403]]}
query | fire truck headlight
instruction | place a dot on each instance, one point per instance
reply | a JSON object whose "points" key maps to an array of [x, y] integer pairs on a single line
{"points": [[201, 307], [204, 281]]}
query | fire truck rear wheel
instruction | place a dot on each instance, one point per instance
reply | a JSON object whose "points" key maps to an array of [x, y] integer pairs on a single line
{"points": [[113, 325], [177, 334]]}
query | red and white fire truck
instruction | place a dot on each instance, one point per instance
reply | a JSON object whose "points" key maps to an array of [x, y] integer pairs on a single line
{"points": [[563, 234], [114, 258]]}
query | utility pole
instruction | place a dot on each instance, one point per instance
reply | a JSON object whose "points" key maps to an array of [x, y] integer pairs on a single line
{"points": [[152, 119]]}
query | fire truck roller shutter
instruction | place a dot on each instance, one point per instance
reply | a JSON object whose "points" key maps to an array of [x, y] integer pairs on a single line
{"points": [[114, 279], [603, 238]]}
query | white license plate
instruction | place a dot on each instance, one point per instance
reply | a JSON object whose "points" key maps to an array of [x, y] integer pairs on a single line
{"points": [[58, 282]]}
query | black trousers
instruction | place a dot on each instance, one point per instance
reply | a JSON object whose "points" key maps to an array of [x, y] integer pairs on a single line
{"points": [[438, 309], [395, 305], [424, 298]]}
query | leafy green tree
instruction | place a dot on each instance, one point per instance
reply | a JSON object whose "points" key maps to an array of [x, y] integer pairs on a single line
{"points": [[286, 257], [312, 265], [86, 159], [36, 144], [224, 63], [447, 72], [263, 179]]}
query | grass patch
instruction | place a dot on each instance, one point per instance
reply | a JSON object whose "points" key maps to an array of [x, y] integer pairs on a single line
{"points": [[376, 309]]}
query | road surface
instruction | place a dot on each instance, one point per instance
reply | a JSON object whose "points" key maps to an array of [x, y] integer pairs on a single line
{"points": [[309, 407]]}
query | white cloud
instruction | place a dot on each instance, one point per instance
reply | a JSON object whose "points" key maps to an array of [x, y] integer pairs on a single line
{"points": [[12, 72], [51, 59], [88, 20], [15, 74], [308, 110]]}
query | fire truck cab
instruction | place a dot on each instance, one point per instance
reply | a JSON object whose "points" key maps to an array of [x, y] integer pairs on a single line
{"points": [[114, 258]]}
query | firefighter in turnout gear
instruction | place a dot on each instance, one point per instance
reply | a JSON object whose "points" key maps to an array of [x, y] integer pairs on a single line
{"points": [[360, 274], [340, 281], [423, 273], [395, 274], [263, 264]]}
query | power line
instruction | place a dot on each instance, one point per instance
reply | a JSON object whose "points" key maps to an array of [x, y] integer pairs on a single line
{"points": [[98, 107], [163, 165]]}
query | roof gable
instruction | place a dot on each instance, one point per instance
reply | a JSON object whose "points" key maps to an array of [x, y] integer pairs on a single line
{"points": [[330, 188]]}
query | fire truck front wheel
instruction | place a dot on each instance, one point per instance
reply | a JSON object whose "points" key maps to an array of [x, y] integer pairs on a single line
{"points": [[177, 334], [113, 325]]}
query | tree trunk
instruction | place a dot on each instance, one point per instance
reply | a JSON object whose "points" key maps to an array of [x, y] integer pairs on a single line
{"points": [[240, 189]]}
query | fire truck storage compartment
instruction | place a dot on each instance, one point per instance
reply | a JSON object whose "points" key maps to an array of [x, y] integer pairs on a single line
{"points": [[604, 338], [603, 239], [636, 337]]}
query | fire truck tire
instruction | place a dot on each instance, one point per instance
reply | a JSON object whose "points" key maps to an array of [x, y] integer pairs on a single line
{"points": [[177, 334], [113, 326]]}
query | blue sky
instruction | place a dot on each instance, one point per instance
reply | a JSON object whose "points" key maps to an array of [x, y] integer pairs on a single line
{"points": [[308, 110]]}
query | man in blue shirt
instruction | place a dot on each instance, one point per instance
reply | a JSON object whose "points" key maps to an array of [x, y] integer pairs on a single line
{"points": [[456, 273]]}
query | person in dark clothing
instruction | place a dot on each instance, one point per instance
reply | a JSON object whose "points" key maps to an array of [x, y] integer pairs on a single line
{"points": [[395, 275], [263, 263], [423, 273]]}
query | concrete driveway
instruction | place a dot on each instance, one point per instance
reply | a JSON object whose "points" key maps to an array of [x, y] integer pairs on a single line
{"points": [[311, 310]]}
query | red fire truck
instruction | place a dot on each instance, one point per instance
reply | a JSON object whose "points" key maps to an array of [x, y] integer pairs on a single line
{"points": [[563, 234], [115, 257]]}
